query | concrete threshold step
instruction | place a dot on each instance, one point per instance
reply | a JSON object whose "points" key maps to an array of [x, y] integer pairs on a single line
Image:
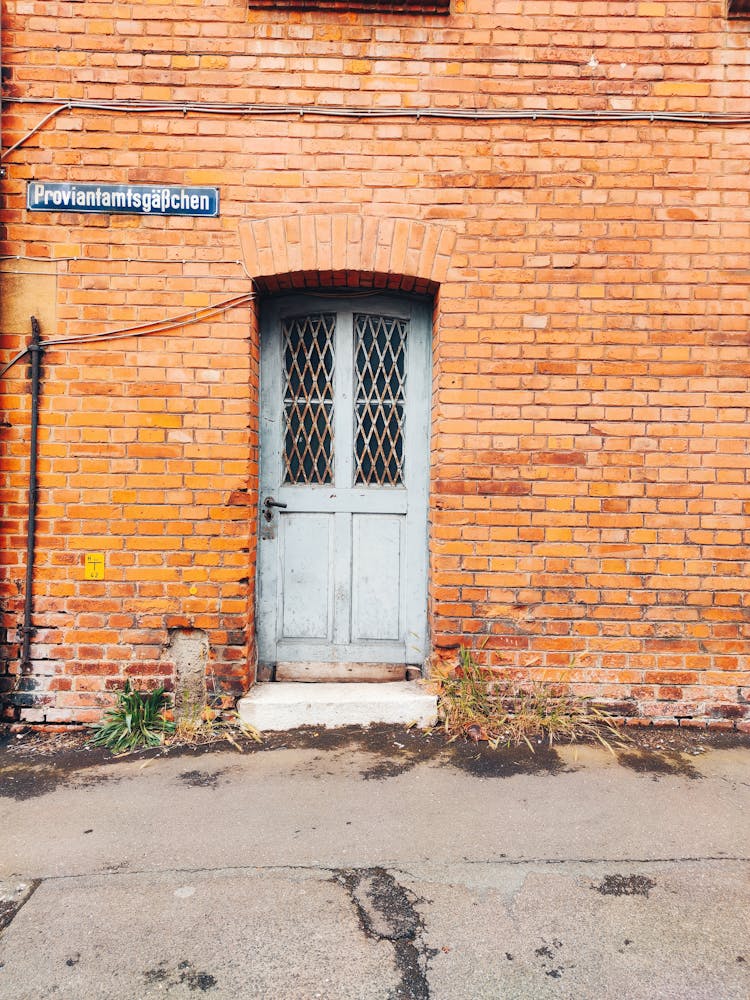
{"points": [[274, 707]]}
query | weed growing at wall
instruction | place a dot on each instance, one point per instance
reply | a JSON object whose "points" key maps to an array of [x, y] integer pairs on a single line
{"points": [[486, 703], [208, 725], [137, 720]]}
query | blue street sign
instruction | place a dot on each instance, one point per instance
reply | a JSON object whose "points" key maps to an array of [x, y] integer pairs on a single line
{"points": [[123, 199]]}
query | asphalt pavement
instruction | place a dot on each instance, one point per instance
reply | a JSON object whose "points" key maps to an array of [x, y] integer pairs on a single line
{"points": [[377, 865]]}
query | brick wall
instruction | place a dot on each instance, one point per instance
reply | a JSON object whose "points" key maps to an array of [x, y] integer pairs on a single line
{"points": [[589, 490]]}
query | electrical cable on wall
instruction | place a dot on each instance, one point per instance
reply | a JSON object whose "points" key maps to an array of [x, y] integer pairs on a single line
{"points": [[360, 114], [142, 329]]}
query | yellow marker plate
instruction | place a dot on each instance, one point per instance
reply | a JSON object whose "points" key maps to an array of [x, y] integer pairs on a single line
{"points": [[93, 568]]}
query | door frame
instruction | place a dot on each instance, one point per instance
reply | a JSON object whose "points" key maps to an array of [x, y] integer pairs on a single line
{"points": [[419, 309]]}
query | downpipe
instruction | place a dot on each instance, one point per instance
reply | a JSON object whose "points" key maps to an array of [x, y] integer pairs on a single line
{"points": [[27, 629]]}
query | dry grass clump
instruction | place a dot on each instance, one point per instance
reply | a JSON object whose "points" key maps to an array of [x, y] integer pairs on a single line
{"points": [[483, 703], [207, 725]]}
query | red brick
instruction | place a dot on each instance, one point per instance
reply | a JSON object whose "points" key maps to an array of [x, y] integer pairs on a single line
{"points": [[589, 420]]}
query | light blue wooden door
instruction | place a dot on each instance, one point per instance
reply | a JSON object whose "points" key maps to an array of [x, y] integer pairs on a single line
{"points": [[345, 401]]}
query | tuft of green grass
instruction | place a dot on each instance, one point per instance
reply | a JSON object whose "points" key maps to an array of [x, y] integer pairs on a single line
{"points": [[483, 703], [137, 720]]}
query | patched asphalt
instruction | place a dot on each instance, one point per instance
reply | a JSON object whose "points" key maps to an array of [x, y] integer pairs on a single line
{"points": [[384, 864]]}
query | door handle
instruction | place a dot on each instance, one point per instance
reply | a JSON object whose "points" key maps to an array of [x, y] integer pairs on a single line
{"points": [[269, 503]]}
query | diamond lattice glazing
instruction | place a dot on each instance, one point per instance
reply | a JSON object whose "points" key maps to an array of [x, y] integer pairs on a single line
{"points": [[380, 383], [308, 345]]}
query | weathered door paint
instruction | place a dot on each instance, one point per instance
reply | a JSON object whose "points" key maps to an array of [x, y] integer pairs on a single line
{"points": [[345, 401]]}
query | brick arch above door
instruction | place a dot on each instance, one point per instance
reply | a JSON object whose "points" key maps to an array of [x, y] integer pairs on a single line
{"points": [[295, 251]]}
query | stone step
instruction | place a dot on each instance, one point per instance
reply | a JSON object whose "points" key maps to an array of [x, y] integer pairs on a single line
{"points": [[277, 707]]}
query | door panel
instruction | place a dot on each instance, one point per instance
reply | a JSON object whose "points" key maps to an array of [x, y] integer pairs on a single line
{"points": [[342, 564], [306, 578], [376, 577]]}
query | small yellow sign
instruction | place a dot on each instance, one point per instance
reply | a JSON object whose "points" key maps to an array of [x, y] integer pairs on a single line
{"points": [[94, 566]]}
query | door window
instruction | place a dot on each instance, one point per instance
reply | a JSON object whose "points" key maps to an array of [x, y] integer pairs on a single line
{"points": [[308, 345], [380, 392]]}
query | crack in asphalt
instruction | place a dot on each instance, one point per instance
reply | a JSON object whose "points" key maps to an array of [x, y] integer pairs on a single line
{"points": [[386, 912], [402, 866], [742, 859]]}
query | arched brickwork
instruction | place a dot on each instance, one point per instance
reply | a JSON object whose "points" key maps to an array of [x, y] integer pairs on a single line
{"points": [[303, 251]]}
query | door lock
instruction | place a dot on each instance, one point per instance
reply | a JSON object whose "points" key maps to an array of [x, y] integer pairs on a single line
{"points": [[269, 503]]}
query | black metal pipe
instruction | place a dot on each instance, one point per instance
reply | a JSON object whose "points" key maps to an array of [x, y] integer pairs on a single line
{"points": [[27, 630]]}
